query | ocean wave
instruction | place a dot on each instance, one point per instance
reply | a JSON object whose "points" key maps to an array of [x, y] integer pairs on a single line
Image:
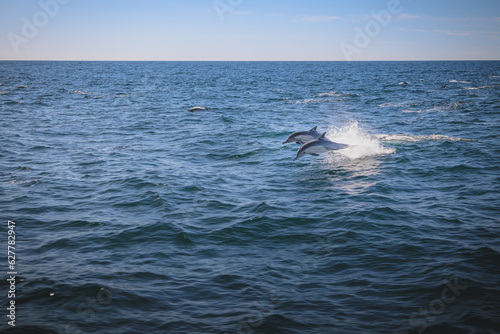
{"points": [[279, 90], [29, 183]]}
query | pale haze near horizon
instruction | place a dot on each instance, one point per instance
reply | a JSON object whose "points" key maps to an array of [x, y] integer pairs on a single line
{"points": [[249, 30]]}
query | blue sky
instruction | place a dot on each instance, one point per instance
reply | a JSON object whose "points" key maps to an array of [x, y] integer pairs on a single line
{"points": [[249, 30]]}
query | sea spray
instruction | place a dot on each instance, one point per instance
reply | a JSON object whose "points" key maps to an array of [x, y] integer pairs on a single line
{"points": [[362, 144]]}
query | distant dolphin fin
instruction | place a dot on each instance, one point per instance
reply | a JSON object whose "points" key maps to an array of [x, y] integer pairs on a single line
{"points": [[323, 135], [313, 129], [315, 154]]}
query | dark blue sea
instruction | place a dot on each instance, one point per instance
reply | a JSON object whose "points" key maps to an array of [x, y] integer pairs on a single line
{"points": [[134, 215]]}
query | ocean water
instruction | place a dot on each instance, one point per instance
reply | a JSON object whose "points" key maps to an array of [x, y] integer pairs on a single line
{"points": [[133, 215]]}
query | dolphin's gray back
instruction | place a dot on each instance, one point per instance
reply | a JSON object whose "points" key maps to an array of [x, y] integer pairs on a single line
{"points": [[326, 143], [312, 133], [303, 136], [333, 145], [317, 146]]}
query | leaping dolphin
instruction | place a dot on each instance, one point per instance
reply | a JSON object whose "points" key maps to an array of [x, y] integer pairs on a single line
{"points": [[302, 137], [320, 145]]}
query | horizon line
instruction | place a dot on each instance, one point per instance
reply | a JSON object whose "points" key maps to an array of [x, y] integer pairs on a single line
{"points": [[150, 60]]}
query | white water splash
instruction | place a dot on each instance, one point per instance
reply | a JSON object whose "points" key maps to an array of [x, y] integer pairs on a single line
{"points": [[361, 143]]}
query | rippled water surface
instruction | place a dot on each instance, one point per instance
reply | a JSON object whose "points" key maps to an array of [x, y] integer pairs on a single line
{"points": [[134, 215]]}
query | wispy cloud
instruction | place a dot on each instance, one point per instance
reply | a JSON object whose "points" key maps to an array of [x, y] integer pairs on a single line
{"points": [[408, 17], [319, 18], [401, 17], [454, 33], [467, 21], [490, 34], [483, 33], [410, 30]]}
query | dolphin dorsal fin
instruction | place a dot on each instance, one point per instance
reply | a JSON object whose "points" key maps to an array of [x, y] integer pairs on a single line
{"points": [[313, 129], [323, 135]]}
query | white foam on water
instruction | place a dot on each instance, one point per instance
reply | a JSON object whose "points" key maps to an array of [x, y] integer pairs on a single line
{"points": [[332, 93], [416, 138], [316, 100], [406, 111], [81, 92], [447, 107], [430, 110], [361, 143], [474, 88], [308, 101], [405, 104]]}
